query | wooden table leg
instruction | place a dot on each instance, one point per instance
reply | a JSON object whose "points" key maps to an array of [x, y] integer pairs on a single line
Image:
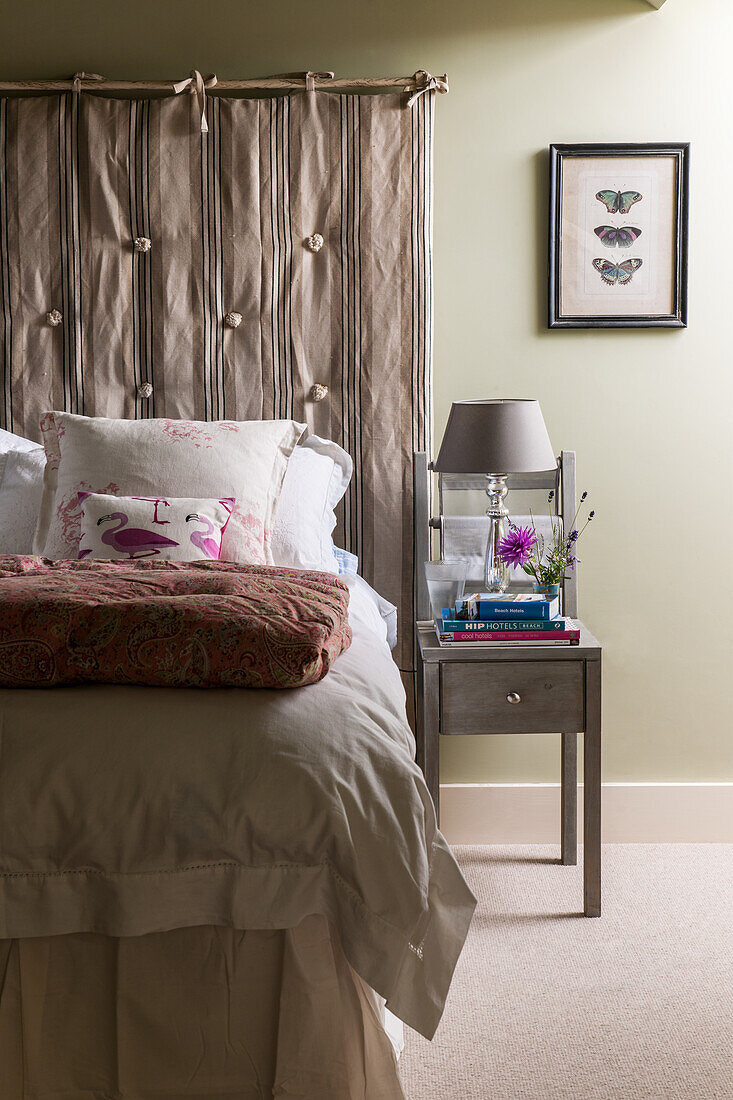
{"points": [[428, 729], [569, 799], [592, 790]]}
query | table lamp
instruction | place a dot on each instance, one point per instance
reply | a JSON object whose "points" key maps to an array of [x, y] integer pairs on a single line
{"points": [[502, 436]]}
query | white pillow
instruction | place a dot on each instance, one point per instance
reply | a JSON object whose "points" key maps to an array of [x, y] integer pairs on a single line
{"points": [[246, 460], [21, 487], [317, 477], [10, 442], [169, 528]]}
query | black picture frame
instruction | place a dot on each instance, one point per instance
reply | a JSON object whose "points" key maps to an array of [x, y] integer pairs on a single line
{"points": [[677, 318]]}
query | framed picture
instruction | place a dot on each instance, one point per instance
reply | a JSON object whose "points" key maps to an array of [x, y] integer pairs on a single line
{"points": [[618, 236]]}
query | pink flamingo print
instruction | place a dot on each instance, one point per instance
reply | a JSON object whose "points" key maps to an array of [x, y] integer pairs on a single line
{"points": [[134, 541], [209, 547]]}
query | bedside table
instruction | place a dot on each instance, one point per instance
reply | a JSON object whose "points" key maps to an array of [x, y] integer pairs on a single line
{"points": [[520, 689]]}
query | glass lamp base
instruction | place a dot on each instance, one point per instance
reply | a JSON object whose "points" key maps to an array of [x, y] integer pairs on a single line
{"points": [[496, 573]]}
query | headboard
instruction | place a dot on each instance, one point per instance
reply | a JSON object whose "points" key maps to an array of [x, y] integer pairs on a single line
{"points": [[279, 265]]}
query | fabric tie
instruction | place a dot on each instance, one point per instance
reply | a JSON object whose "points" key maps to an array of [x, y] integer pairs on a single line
{"points": [[426, 82], [309, 77], [310, 80], [78, 77], [197, 85]]}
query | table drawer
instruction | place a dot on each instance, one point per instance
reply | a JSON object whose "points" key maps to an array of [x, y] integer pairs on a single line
{"points": [[475, 697]]}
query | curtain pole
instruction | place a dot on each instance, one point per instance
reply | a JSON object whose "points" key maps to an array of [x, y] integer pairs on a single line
{"points": [[290, 82]]}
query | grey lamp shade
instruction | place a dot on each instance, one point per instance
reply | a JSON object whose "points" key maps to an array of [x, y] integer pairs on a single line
{"points": [[495, 437]]}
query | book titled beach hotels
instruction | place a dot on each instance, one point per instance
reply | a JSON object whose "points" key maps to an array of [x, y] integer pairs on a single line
{"points": [[485, 606]]}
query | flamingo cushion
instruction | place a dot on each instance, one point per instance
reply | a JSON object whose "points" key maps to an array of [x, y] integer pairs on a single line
{"points": [[158, 458], [169, 528]]}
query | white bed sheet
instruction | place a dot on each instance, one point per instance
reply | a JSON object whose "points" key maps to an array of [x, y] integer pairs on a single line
{"points": [[368, 610]]}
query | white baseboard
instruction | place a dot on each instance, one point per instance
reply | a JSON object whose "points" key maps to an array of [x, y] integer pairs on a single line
{"points": [[529, 813]]}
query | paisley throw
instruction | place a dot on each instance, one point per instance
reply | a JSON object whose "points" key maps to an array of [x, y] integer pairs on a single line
{"points": [[171, 624]]}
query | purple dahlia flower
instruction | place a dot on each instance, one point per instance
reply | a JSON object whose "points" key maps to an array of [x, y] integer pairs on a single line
{"points": [[517, 547]]}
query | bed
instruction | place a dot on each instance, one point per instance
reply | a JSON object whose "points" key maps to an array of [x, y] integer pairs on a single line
{"points": [[220, 892], [220, 871], [249, 884]]}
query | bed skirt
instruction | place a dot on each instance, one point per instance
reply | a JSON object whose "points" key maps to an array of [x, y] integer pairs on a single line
{"points": [[202, 1013]]}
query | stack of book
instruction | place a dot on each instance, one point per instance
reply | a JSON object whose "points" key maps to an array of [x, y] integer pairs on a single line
{"points": [[493, 619]]}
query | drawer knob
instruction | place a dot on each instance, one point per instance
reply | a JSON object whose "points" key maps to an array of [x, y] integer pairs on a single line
{"points": [[513, 697]]}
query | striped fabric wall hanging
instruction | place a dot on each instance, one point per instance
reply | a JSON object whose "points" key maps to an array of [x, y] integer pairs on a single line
{"points": [[149, 269]]}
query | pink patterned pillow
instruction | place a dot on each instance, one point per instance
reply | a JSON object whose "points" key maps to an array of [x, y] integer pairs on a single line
{"points": [[170, 528], [246, 460]]}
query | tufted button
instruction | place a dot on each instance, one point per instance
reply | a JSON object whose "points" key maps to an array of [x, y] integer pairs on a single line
{"points": [[54, 317], [145, 389], [143, 244], [318, 392], [233, 319], [314, 243]]}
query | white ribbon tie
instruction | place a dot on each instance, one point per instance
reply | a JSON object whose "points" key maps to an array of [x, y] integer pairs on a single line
{"points": [[197, 85], [426, 82]]}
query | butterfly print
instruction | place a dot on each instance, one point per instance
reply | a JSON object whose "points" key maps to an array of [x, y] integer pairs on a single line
{"points": [[619, 202], [617, 273], [612, 235]]}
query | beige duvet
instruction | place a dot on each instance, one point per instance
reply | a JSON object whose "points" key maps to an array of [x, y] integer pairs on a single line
{"points": [[135, 810]]}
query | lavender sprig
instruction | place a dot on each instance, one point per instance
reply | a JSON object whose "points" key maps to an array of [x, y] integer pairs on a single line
{"points": [[525, 547]]}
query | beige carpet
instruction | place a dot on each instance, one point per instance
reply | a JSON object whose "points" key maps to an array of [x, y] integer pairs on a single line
{"points": [[546, 1004]]}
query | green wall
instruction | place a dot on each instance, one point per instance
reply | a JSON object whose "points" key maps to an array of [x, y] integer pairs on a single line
{"points": [[648, 412]]}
